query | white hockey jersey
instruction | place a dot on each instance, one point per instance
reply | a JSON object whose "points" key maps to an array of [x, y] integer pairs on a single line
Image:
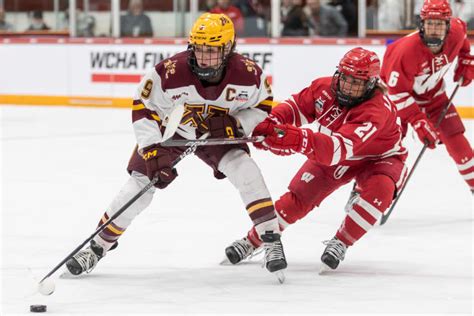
{"points": [[243, 93]]}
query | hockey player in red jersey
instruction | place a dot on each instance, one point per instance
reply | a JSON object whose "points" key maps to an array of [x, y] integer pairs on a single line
{"points": [[224, 95], [414, 68], [355, 135]]}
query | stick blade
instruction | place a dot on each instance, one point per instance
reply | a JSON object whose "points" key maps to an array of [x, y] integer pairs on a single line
{"points": [[173, 120]]}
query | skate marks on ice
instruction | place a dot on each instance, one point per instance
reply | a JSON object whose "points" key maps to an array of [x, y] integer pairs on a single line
{"points": [[256, 259], [131, 289], [402, 264]]}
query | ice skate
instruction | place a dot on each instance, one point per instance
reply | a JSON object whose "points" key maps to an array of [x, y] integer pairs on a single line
{"points": [[239, 250], [332, 255], [275, 260], [85, 260]]}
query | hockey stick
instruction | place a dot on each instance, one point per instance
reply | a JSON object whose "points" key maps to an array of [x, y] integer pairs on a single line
{"points": [[425, 146], [211, 141], [173, 120], [187, 152]]}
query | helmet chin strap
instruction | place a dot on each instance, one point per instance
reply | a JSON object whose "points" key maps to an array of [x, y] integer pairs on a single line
{"points": [[433, 42], [209, 74]]}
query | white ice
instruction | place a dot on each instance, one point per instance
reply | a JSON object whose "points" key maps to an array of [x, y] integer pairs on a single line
{"points": [[62, 166]]}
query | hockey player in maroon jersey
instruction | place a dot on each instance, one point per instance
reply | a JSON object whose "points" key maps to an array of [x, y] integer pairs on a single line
{"points": [[224, 95], [357, 137], [414, 68]]}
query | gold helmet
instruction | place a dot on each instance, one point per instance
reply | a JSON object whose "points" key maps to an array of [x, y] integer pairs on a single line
{"points": [[210, 30], [213, 30]]}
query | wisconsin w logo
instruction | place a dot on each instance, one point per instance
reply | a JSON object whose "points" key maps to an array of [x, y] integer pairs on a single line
{"points": [[307, 177]]}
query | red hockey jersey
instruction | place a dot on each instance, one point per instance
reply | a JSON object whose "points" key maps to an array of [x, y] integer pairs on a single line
{"points": [[413, 74], [368, 131]]}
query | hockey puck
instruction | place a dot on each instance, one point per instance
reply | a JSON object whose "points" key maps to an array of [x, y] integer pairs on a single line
{"points": [[38, 308]]}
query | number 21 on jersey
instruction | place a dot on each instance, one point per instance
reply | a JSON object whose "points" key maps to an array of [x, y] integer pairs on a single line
{"points": [[365, 131]]}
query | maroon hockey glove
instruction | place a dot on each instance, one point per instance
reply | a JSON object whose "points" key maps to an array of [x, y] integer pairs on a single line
{"points": [[464, 69], [264, 128], [427, 133], [159, 163], [288, 139], [220, 127]]}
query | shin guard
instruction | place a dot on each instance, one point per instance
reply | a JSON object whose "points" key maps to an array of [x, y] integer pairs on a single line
{"points": [[460, 150], [375, 197]]}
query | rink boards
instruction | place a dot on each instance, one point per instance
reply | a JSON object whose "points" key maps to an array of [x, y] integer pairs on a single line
{"points": [[104, 72]]}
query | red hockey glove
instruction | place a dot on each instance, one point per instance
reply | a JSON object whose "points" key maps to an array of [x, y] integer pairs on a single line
{"points": [[288, 139], [464, 69], [219, 127], [264, 128], [427, 133], [159, 163]]}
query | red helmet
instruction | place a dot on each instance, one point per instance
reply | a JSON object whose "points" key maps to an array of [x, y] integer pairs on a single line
{"points": [[360, 63], [436, 10]]}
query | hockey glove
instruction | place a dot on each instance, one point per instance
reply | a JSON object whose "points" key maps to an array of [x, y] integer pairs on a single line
{"points": [[220, 127], [159, 163], [464, 69], [427, 133], [288, 139], [265, 128]]}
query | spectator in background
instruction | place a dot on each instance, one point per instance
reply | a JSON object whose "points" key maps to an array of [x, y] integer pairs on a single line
{"points": [[4, 25], [37, 22], [372, 19], [348, 9], [390, 15], [85, 23], [285, 8], [253, 7], [207, 5], [464, 10], [256, 15], [225, 7], [296, 22], [135, 23], [325, 20]]}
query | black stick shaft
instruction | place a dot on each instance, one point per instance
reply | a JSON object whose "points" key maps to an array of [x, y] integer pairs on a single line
{"points": [[211, 141], [420, 155], [117, 214]]}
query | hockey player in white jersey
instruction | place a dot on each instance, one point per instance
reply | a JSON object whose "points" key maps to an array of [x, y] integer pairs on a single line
{"points": [[224, 95]]}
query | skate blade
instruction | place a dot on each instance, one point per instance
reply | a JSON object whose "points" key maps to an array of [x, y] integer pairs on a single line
{"points": [[280, 276], [323, 269], [68, 275], [225, 262]]}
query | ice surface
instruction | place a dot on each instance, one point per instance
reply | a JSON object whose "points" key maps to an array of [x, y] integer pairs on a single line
{"points": [[62, 166]]}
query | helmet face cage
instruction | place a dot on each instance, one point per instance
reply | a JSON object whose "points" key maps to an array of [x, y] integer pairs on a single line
{"points": [[432, 12], [208, 62], [433, 41], [352, 91]]}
